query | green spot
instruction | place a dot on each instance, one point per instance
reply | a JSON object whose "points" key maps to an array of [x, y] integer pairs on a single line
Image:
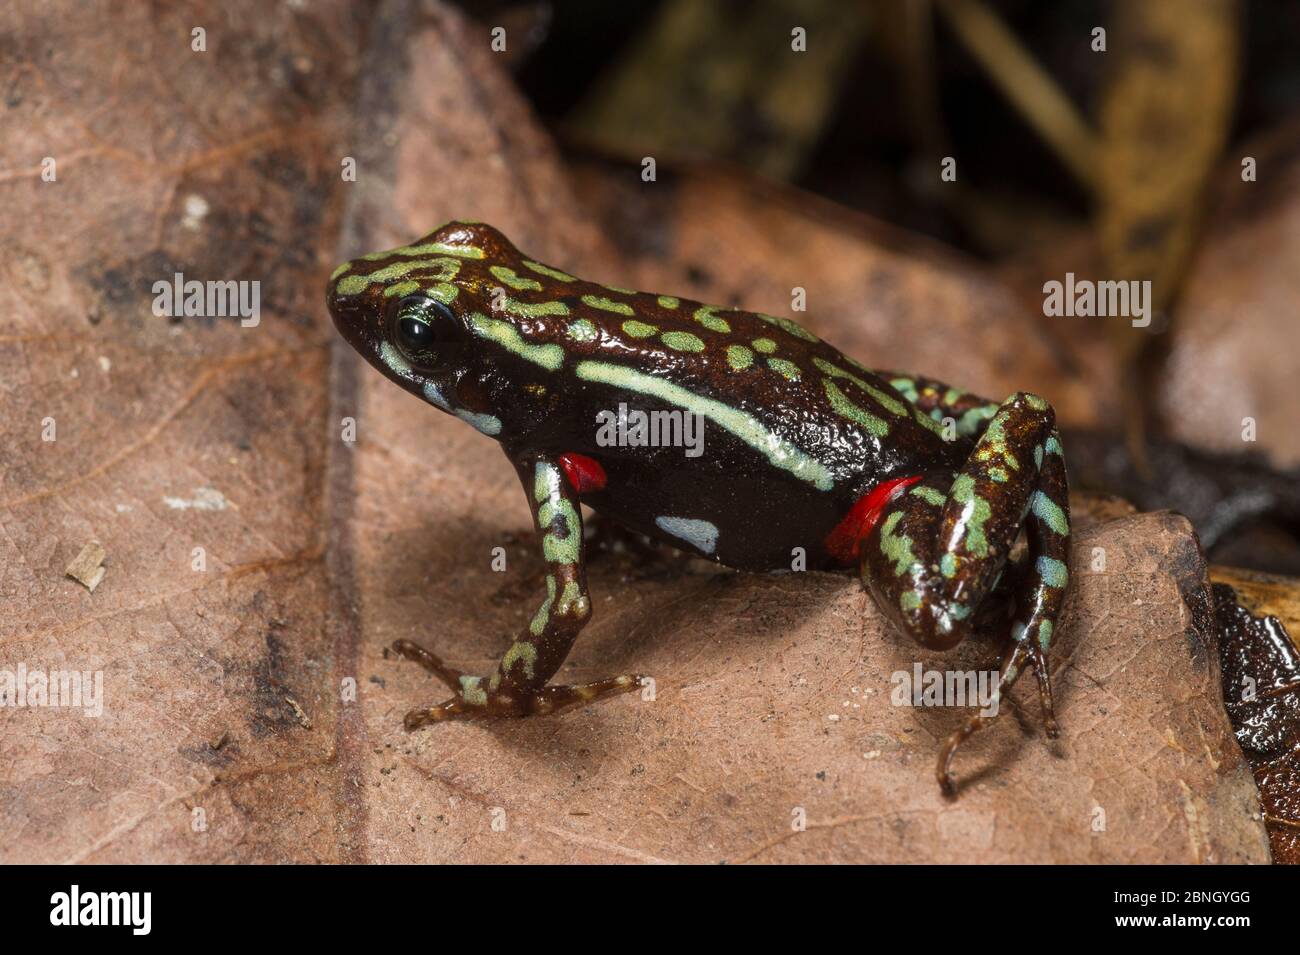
{"points": [[515, 281], [549, 272], [667, 301], [765, 345], [1050, 513], [929, 495], [639, 329], [429, 248], [521, 652], [948, 565], [993, 444], [925, 421], [897, 548], [539, 621], [546, 491], [556, 549], [888, 402], [520, 309], [608, 305], [999, 474], [1045, 633], [507, 336], [682, 341], [404, 288], [471, 692], [622, 291], [739, 357], [968, 424], [787, 369], [340, 270], [1035, 402], [546, 481], [909, 600], [1053, 446], [583, 331], [974, 516], [1038, 456], [1053, 572], [706, 317], [791, 328], [846, 408], [569, 599], [441, 271], [956, 610], [779, 452], [906, 387]]}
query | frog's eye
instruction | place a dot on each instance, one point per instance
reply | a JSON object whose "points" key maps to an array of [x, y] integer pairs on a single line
{"points": [[419, 326]]}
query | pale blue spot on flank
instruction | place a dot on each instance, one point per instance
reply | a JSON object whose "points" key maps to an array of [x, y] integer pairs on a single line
{"points": [[702, 535]]}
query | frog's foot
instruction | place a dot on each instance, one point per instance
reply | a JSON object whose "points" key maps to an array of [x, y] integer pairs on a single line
{"points": [[1023, 653], [477, 700]]}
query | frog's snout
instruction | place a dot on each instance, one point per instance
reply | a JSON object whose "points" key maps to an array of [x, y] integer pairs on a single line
{"points": [[347, 310]]}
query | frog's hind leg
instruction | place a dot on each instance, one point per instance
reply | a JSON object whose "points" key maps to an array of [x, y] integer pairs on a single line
{"points": [[941, 546], [518, 685]]}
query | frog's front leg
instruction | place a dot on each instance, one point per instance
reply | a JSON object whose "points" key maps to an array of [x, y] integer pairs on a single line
{"points": [[941, 546], [518, 686]]}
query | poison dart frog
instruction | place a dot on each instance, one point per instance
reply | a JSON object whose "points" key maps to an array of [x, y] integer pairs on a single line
{"points": [[922, 487]]}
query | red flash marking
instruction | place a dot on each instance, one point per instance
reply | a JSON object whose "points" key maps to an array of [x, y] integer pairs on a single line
{"points": [[845, 541], [584, 473]]}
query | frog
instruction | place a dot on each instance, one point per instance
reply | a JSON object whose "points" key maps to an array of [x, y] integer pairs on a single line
{"points": [[919, 487]]}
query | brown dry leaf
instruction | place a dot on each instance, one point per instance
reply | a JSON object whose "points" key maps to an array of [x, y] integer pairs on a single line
{"points": [[220, 165], [330, 550]]}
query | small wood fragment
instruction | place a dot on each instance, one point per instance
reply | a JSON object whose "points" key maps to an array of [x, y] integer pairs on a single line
{"points": [[87, 567], [298, 712]]}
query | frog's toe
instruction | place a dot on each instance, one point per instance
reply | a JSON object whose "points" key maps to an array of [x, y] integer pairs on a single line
{"points": [[1039, 658], [551, 699], [410, 650], [450, 710]]}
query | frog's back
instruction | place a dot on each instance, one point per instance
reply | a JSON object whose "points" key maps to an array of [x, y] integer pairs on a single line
{"points": [[801, 404]]}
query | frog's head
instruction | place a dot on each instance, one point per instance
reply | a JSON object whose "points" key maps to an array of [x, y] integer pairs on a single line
{"points": [[411, 312]]}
